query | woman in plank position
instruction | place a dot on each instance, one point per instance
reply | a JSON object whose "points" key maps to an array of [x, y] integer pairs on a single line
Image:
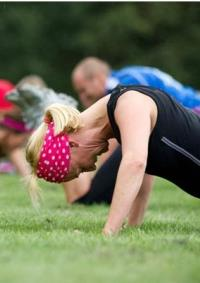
{"points": [[158, 137]]}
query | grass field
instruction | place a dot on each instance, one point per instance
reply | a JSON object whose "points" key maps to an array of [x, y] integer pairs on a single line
{"points": [[64, 244]]}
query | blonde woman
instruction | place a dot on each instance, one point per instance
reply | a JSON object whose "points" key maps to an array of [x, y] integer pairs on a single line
{"points": [[157, 136]]}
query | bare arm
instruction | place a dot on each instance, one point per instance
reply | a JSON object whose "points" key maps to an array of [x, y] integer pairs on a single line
{"points": [[17, 157], [133, 116], [77, 188], [140, 204], [13, 145]]}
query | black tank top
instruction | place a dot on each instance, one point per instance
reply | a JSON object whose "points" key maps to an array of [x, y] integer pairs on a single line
{"points": [[174, 144]]}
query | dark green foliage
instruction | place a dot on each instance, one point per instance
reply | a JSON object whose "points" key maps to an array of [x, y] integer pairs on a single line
{"points": [[49, 38]]}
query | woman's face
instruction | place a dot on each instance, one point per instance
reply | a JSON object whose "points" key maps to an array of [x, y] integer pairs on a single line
{"points": [[83, 159]]}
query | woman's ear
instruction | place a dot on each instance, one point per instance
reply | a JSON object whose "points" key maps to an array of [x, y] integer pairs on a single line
{"points": [[73, 144]]}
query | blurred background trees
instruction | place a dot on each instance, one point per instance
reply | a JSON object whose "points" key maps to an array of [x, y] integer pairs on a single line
{"points": [[49, 38]]}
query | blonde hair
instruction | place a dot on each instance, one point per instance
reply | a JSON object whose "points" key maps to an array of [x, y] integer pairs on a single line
{"points": [[66, 118], [91, 66]]}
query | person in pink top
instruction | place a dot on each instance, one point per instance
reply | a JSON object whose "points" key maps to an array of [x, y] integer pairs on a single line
{"points": [[13, 133]]}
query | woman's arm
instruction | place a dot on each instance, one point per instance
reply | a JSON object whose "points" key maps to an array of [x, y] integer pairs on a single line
{"points": [[133, 115], [13, 145], [17, 157], [129, 180], [139, 206], [77, 188]]}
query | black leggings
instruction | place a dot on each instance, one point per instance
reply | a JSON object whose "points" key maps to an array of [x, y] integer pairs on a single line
{"points": [[103, 183]]}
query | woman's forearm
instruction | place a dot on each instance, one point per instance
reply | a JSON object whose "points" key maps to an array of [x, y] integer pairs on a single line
{"points": [[17, 157], [129, 180], [139, 206], [77, 188]]}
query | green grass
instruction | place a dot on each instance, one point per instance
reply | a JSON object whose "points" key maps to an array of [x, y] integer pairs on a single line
{"points": [[64, 244]]}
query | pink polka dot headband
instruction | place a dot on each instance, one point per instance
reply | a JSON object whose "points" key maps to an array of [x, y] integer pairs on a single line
{"points": [[54, 160]]}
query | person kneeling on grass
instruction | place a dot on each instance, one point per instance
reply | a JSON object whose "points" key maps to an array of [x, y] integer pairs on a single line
{"points": [[158, 137]]}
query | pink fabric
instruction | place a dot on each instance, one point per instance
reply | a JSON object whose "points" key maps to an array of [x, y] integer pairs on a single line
{"points": [[11, 123], [197, 110], [5, 87], [54, 160]]}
